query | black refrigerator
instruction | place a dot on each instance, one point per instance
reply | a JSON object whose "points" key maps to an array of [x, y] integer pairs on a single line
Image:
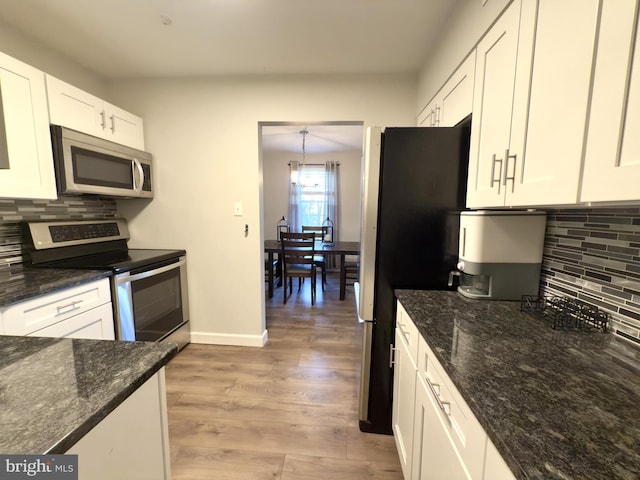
{"points": [[414, 185]]}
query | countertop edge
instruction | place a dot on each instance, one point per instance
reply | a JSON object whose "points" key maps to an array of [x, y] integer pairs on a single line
{"points": [[74, 436]]}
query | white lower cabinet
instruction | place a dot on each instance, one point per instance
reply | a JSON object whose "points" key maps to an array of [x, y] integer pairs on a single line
{"points": [[447, 442], [434, 455], [404, 387], [132, 442], [83, 311]]}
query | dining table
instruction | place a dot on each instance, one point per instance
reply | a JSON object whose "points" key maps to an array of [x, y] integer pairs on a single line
{"points": [[272, 247]]}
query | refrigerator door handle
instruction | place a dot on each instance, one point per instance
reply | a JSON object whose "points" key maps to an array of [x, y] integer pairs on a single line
{"points": [[365, 367]]}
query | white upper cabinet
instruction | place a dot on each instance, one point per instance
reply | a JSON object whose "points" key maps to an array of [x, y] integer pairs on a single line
{"points": [[533, 80], [612, 160], [26, 159], [456, 97], [76, 109], [454, 101], [493, 104]]}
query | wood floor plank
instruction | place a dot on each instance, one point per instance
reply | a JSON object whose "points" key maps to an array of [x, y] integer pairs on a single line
{"points": [[298, 467], [286, 411], [205, 463], [271, 437], [274, 409]]}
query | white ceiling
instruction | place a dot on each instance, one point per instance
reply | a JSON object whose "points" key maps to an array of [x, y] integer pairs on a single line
{"points": [[127, 38], [321, 138]]}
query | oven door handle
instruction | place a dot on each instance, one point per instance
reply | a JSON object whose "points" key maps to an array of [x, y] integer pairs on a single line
{"points": [[139, 276]]}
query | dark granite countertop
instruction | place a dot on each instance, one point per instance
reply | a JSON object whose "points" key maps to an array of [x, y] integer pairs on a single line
{"points": [[53, 391], [556, 404], [23, 283]]}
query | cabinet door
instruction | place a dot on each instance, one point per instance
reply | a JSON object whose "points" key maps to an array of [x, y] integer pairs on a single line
{"points": [[495, 468], [126, 128], [428, 116], [493, 96], [132, 442], [435, 456], [404, 387], [96, 324], [548, 135], [26, 159], [456, 97], [74, 108], [612, 160]]}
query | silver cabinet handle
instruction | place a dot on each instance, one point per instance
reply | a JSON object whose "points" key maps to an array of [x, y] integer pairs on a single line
{"points": [[69, 307], [392, 354], [506, 169], [437, 124], [103, 119], [444, 406], [113, 123], [405, 331], [495, 180]]}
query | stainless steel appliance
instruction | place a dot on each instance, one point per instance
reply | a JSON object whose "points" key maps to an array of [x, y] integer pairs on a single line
{"points": [[148, 286], [87, 164], [500, 253], [413, 179]]}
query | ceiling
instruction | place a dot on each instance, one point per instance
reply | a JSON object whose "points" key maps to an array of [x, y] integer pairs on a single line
{"points": [[173, 38], [160, 38], [321, 138]]}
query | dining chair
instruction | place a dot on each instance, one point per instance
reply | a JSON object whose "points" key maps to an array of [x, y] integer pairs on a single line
{"points": [[297, 256], [349, 272], [319, 259]]}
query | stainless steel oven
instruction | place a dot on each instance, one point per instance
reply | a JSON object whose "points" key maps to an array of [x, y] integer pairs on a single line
{"points": [[152, 303], [148, 286]]}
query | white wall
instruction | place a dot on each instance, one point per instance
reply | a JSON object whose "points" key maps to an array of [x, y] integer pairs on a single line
{"points": [[276, 190], [204, 136], [464, 29], [37, 55]]}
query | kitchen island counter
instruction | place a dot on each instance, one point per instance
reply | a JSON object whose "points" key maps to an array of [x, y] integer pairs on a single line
{"points": [[54, 391], [556, 404]]}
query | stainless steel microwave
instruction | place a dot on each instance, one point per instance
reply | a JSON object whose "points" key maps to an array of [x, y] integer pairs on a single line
{"points": [[88, 164]]}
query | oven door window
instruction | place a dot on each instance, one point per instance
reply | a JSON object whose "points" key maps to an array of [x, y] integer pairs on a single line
{"points": [[157, 305], [95, 168]]}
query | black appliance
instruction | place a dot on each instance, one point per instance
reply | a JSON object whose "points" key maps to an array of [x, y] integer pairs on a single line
{"points": [[148, 286], [414, 185]]}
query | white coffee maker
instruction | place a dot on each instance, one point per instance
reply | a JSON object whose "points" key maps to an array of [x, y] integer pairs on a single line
{"points": [[500, 253]]}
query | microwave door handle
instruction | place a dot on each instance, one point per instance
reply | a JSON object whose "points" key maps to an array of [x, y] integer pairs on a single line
{"points": [[138, 166]]}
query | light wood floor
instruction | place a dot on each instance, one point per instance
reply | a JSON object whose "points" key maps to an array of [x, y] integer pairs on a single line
{"points": [[282, 412]]}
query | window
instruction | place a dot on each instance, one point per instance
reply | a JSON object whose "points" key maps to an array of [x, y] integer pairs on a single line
{"points": [[312, 182]]}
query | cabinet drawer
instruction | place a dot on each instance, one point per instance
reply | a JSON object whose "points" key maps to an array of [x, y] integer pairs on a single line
{"points": [[408, 331], [32, 315], [96, 324], [465, 431]]}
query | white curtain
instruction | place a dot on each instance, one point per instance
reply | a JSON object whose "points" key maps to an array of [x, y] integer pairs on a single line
{"points": [[332, 200], [295, 189]]}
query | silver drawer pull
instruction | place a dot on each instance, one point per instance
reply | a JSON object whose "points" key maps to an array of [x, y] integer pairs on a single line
{"points": [[69, 307], [444, 406]]}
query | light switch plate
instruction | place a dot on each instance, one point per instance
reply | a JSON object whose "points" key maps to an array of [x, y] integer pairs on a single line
{"points": [[237, 209]]}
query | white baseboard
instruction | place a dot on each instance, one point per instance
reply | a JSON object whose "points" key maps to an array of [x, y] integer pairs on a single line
{"points": [[230, 339]]}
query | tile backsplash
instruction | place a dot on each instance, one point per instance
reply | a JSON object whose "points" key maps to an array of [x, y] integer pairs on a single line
{"points": [[594, 255], [12, 212]]}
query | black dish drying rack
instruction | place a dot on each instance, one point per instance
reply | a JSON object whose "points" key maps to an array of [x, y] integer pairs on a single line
{"points": [[566, 313]]}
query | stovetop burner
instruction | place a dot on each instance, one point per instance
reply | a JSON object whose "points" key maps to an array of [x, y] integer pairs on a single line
{"points": [[565, 312]]}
